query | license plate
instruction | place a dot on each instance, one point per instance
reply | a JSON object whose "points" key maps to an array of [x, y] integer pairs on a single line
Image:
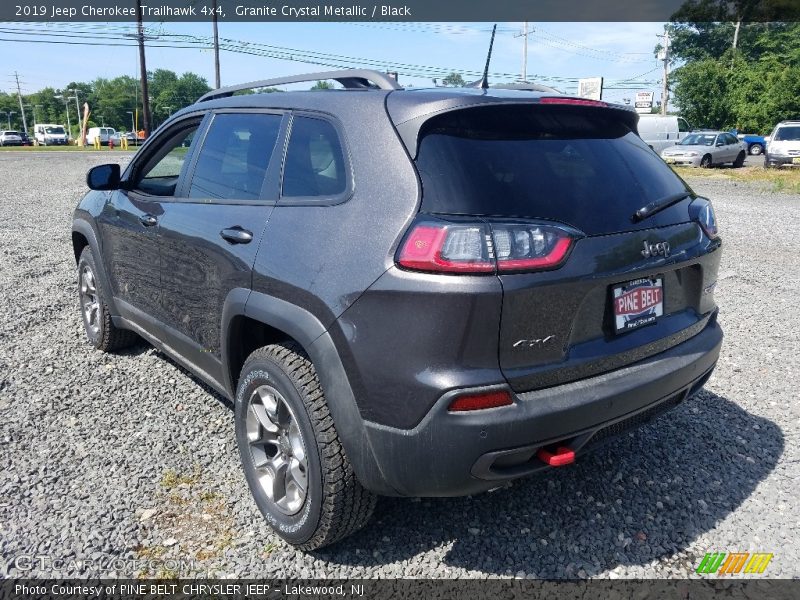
{"points": [[796, 160], [637, 303]]}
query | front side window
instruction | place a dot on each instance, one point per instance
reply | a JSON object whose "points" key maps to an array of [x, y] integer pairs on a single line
{"points": [[787, 133], [315, 164], [235, 155], [162, 171]]}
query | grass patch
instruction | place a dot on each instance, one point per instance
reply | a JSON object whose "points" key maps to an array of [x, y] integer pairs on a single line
{"points": [[62, 149], [786, 180], [172, 479]]}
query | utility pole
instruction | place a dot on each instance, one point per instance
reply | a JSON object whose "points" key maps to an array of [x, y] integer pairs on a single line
{"points": [[216, 45], [81, 141], [665, 89], [524, 35], [143, 70], [22, 108], [736, 34]]}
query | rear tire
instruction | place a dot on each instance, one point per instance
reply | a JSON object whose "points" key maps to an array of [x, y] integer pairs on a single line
{"points": [[293, 460], [739, 162], [766, 162], [100, 329], [756, 149]]}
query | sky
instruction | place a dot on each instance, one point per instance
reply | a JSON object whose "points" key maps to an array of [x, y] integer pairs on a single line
{"points": [[558, 53]]}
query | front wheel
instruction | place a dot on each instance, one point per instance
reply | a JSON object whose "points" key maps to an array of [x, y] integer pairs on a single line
{"points": [[739, 162], [100, 329], [705, 162], [293, 460]]}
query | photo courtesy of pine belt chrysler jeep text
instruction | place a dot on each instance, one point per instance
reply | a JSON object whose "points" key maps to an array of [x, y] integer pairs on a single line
{"points": [[404, 292]]}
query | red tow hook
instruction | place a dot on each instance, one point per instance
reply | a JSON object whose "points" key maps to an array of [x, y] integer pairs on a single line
{"points": [[562, 456]]}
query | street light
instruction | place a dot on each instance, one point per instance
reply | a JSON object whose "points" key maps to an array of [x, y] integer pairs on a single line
{"points": [[133, 127], [6, 114], [66, 107], [34, 112], [80, 119], [102, 120]]}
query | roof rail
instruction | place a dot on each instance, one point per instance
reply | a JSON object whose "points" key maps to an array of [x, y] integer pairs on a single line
{"points": [[350, 79]]}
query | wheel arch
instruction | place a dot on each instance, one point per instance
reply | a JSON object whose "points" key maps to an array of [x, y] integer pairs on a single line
{"points": [[252, 320]]}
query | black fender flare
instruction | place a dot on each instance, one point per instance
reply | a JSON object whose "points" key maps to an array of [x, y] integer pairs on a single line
{"points": [[86, 229], [312, 335]]}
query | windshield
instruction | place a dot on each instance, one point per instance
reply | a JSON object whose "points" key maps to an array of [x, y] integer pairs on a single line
{"points": [[54, 130], [581, 167], [787, 134], [699, 139]]}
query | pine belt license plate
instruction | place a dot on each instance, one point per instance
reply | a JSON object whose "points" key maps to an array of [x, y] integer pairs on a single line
{"points": [[637, 303]]}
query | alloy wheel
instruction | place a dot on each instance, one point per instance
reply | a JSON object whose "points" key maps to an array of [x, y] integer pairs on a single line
{"points": [[277, 449], [90, 302]]}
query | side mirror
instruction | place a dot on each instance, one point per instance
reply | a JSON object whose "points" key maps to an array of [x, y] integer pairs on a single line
{"points": [[720, 143], [104, 177]]}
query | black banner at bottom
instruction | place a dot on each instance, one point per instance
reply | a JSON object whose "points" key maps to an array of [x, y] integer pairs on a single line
{"points": [[464, 589]]}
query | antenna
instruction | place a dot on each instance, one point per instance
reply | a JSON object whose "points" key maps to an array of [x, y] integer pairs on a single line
{"points": [[484, 81]]}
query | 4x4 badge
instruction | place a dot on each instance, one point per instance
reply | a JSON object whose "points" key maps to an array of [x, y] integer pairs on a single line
{"points": [[660, 248]]}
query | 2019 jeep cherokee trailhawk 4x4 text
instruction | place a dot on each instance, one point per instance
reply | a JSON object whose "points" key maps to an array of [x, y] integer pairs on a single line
{"points": [[404, 292]]}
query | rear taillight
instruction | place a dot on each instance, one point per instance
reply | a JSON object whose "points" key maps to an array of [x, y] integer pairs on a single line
{"points": [[702, 211], [446, 247]]}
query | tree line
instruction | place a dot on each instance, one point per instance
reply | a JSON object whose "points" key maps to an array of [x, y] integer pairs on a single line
{"points": [[110, 101], [735, 75]]}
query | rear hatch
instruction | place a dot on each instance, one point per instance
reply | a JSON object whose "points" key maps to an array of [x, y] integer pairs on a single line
{"points": [[626, 288]]}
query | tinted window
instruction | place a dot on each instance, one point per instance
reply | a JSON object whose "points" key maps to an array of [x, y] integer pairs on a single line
{"points": [[683, 125], [699, 139], [235, 154], [577, 166], [787, 133], [162, 170], [314, 160]]}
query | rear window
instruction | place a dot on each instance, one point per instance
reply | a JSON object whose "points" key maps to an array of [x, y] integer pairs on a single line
{"points": [[786, 134], [583, 167], [12, 132]]}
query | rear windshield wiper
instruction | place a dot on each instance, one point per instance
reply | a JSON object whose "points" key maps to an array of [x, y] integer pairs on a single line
{"points": [[659, 205]]}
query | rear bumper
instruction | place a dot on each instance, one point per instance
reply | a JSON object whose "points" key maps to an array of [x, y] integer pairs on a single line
{"points": [[453, 454]]}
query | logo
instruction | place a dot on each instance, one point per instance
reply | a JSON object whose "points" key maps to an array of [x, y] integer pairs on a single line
{"points": [[534, 343], [734, 563], [657, 249]]}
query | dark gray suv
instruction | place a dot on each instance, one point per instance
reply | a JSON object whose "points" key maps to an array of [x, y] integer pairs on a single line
{"points": [[404, 292]]}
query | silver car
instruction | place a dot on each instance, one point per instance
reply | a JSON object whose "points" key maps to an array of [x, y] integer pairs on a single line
{"points": [[10, 138], [706, 149]]}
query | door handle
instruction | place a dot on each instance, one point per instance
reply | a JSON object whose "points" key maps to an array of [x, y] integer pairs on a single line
{"points": [[236, 235], [148, 220]]}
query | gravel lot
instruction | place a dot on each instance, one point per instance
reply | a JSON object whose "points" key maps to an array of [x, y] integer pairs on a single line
{"points": [[106, 460]]}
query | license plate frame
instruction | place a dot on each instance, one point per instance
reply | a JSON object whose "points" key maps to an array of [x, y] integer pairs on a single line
{"points": [[637, 303]]}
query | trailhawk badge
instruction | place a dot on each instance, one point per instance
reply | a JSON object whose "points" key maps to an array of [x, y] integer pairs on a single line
{"points": [[637, 303]]}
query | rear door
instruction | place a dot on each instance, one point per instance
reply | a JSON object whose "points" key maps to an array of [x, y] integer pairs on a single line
{"points": [[613, 301], [211, 233]]}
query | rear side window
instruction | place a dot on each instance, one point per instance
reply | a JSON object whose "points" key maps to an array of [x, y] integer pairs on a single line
{"points": [[583, 167], [235, 155], [315, 164]]}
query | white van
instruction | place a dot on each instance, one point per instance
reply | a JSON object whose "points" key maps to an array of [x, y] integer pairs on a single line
{"points": [[662, 132], [105, 133], [50, 134]]}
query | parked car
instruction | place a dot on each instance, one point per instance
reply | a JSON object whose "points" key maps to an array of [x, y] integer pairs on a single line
{"points": [[707, 149], [26, 141], [50, 134], [660, 132], [755, 143], [10, 138], [104, 134], [783, 145], [404, 292]]}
